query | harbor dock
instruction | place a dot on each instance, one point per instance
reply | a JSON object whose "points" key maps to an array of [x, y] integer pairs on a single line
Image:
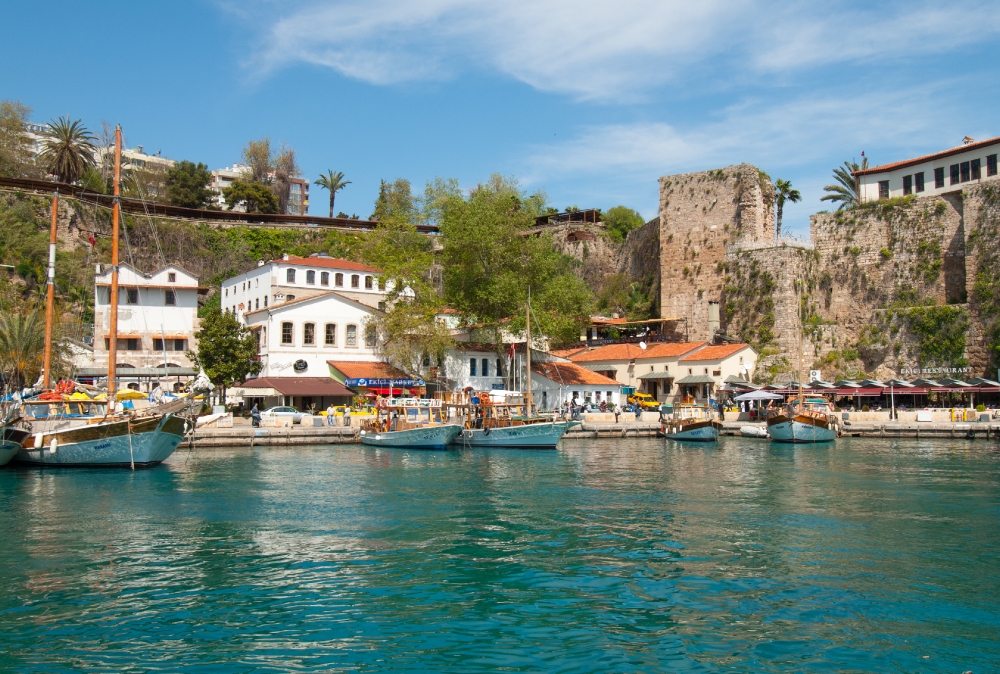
{"points": [[242, 434]]}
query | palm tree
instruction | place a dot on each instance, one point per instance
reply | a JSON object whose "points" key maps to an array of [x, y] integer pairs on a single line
{"points": [[67, 149], [333, 182], [846, 188], [22, 340], [783, 192]]}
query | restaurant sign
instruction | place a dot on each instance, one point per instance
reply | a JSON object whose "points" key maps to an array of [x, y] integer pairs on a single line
{"points": [[937, 370], [379, 383]]}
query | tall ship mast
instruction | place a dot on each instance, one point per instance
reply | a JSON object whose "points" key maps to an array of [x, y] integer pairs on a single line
{"points": [[67, 426]]}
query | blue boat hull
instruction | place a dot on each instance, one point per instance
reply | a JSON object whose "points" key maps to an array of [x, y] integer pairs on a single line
{"points": [[426, 437]]}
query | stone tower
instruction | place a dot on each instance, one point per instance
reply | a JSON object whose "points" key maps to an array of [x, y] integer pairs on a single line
{"points": [[701, 215]]}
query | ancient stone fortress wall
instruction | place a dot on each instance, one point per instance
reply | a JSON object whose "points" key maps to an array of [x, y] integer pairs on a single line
{"points": [[701, 214]]}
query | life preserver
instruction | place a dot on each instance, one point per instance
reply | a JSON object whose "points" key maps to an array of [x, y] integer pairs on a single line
{"points": [[486, 430]]}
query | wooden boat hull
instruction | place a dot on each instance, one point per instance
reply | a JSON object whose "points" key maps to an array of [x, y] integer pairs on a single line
{"points": [[426, 437], [693, 431], [10, 443], [110, 443], [800, 429], [544, 435]]}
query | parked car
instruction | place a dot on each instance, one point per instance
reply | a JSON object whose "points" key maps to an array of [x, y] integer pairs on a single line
{"points": [[644, 400], [284, 412]]}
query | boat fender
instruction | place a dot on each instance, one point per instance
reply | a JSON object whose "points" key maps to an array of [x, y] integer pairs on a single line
{"points": [[486, 430], [364, 432], [38, 440], [54, 445]]}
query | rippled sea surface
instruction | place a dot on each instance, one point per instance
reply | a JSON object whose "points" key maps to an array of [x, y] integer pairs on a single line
{"points": [[603, 556]]}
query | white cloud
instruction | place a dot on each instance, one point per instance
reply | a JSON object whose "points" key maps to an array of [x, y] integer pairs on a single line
{"points": [[596, 49]]}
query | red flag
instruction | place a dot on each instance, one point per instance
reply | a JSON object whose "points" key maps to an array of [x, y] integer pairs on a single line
{"points": [[510, 354], [92, 240]]}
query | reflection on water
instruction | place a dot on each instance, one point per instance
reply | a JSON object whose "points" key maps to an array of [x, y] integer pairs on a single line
{"points": [[623, 555]]}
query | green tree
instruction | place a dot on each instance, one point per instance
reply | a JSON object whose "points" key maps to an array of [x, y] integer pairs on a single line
{"points": [[333, 182], [396, 202], [845, 189], [15, 147], [437, 192], [253, 196], [259, 158], [22, 341], [490, 263], [67, 149], [187, 184], [783, 192], [227, 350], [621, 220], [406, 330]]}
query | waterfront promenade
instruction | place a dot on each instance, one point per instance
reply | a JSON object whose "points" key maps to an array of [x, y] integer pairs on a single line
{"points": [[243, 434]]}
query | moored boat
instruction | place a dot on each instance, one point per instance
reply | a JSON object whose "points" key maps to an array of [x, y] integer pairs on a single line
{"points": [[409, 423], [804, 421], [501, 419], [751, 431], [10, 442], [692, 422]]}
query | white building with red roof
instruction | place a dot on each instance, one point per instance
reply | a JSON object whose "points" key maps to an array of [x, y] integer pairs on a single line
{"points": [[651, 370], [704, 371], [938, 173], [559, 381], [295, 278]]}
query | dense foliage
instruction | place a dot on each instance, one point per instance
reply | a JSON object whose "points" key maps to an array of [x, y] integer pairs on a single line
{"points": [[253, 197], [187, 185], [227, 351], [621, 220]]}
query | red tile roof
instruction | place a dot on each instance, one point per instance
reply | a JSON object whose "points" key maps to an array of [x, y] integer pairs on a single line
{"points": [[632, 351], [928, 157], [570, 373], [568, 353], [331, 262], [715, 352], [353, 369]]}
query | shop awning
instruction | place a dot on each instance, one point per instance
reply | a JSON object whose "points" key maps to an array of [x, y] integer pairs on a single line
{"points": [[695, 379], [127, 372], [293, 386], [657, 376]]}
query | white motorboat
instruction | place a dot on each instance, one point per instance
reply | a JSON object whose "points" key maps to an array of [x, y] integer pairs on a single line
{"points": [[751, 431], [10, 442]]}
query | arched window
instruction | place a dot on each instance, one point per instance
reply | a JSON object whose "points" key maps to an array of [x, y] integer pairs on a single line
{"points": [[309, 334], [352, 335], [370, 338], [290, 276], [331, 334], [286, 333], [338, 280], [324, 278], [472, 367], [355, 281], [311, 277], [368, 282]]}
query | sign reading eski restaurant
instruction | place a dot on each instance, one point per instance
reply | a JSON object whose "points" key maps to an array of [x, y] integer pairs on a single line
{"points": [[390, 383]]}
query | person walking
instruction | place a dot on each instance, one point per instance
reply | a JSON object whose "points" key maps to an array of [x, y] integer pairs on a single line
{"points": [[255, 416], [618, 412], [331, 414], [347, 416]]}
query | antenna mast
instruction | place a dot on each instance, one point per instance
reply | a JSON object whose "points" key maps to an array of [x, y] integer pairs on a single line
{"points": [[113, 323]]}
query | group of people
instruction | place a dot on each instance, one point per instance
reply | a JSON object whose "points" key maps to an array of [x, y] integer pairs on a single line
{"points": [[574, 410]]}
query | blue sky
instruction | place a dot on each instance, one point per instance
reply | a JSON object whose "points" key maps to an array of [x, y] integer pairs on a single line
{"points": [[590, 101]]}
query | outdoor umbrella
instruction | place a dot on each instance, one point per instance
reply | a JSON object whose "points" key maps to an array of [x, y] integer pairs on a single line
{"points": [[758, 395]]}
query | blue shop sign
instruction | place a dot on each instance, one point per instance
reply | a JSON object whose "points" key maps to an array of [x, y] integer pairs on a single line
{"points": [[378, 383]]}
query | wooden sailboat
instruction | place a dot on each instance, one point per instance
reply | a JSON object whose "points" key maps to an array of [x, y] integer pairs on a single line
{"points": [[804, 420], [692, 422], [510, 422], [409, 423], [97, 436]]}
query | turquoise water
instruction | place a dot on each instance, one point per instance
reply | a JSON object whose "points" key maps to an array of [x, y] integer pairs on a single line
{"points": [[604, 556]]}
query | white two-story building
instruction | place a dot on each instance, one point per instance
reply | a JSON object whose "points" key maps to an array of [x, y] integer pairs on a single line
{"points": [[939, 173], [157, 320], [295, 278]]}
